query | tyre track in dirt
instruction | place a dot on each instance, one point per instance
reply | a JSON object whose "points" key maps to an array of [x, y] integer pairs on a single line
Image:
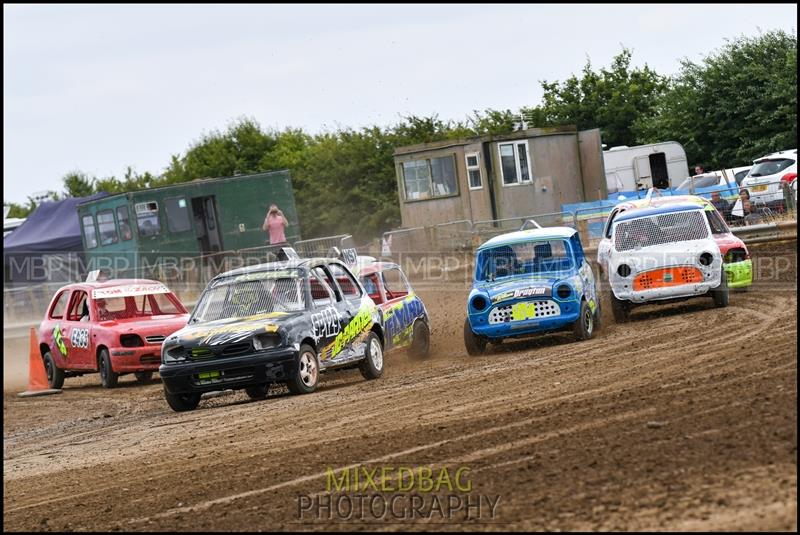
{"points": [[540, 410]]}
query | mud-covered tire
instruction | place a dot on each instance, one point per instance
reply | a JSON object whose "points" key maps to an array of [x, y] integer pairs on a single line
{"points": [[475, 344], [583, 328], [108, 377], [182, 402], [598, 316], [257, 391], [143, 377], [55, 375], [621, 310], [372, 366], [421, 341], [721, 294], [305, 377]]}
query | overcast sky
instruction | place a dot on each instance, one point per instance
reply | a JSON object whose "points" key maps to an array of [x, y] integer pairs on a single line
{"points": [[97, 88]]}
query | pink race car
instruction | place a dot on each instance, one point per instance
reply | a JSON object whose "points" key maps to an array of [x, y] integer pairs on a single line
{"points": [[112, 327]]}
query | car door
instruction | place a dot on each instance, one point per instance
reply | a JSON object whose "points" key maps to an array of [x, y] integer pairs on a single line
{"points": [[353, 342], [399, 311], [76, 333], [327, 319]]}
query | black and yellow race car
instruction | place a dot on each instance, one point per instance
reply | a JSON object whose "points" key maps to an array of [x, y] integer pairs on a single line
{"points": [[280, 322]]}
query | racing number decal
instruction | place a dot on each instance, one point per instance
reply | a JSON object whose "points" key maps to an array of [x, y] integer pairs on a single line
{"points": [[62, 347], [326, 323], [79, 338], [523, 311]]}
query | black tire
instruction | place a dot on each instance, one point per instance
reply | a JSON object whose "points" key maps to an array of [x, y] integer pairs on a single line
{"points": [[144, 377], [598, 315], [55, 375], [257, 391], [475, 344], [620, 309], [305, 377], [721, 293], [372, 365], [182, 402], [583, 328], [108, 377], [421, 340]]}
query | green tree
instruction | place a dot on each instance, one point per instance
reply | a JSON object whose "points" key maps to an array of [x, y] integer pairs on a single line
{"points": [[737, 104], [611, 99], [78, 184]]}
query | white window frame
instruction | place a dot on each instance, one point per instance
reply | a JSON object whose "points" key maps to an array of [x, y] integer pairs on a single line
{"points": [[519, 181], [476, 167]]}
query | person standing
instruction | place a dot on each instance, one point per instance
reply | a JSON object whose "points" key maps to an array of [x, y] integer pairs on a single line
{"points": [[275, 225]]}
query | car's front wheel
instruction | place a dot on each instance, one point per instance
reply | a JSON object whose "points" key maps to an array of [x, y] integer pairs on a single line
{"points": [[182, 402], [305, 378], [108, 378], [372, 365], [144, 377], [721, 293], [475, 344], [55, 375], [421, 341], [257, 391], [584, 326], [620, 309]]}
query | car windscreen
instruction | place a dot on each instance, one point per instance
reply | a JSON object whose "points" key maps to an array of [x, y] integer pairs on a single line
{"points": [[660, 228], [134, 306], [700, 181], [525, 258], [770, 167], [251, 294]]}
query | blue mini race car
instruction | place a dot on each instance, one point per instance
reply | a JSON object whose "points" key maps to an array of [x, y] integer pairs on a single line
{"points": [[528, 282]]}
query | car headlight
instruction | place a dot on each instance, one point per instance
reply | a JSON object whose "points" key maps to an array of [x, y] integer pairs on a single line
{"points": [[176, 353], [131, 340], [624, 270], [479, 303], [266, 341], [706, 259], [563, 291]]}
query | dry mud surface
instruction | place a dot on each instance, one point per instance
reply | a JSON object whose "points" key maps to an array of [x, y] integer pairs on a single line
{"points": [[683, 419]]}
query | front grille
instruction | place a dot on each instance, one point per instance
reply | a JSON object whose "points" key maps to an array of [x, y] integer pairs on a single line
{"points": [[155, 339], [524, 310], [236, 349], [201, 353], [149, 359]]}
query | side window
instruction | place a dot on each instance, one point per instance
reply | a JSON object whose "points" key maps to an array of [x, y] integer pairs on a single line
{"points": [[89, 234], [394, 283], [107, 228], [715, 222], [124, 223], [147, 218], [325, 275], [614, 214], [347, 283], [79, 307], [321, 292], [177, 214], [371, 284], [59, 306]]}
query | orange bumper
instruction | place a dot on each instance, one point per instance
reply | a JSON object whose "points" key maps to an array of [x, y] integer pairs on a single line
{"points": [[667, 277]]}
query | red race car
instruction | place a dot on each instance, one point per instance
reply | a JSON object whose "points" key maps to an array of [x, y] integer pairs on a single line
{"points": [[113, 327]]}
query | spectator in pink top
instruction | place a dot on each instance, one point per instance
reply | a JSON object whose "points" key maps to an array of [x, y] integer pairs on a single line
{"points": [[275, 223]]}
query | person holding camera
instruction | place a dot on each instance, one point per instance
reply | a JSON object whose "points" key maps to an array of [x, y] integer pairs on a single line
{"points": [[275, 224]]}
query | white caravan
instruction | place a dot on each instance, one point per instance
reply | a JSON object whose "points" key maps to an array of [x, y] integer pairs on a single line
{"points": [[660, 165]]}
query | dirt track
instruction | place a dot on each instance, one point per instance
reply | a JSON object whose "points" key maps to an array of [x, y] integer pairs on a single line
{"points": [[683, 419]]}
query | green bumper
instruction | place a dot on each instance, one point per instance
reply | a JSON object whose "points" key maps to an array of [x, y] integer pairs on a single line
{"points": [[740, 274]]}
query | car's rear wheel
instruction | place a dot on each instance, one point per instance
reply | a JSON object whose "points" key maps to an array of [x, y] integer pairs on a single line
{"points": [[421, 341], [305, 378], [721, 294], [620, 309], [475, 344], [584, 326], [257, 391], [182, 402], [55, 375], [372, 365], [144, 377], [108, 378]]}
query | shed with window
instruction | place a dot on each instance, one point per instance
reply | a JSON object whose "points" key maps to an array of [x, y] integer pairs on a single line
{"points": [[529, 172]]}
